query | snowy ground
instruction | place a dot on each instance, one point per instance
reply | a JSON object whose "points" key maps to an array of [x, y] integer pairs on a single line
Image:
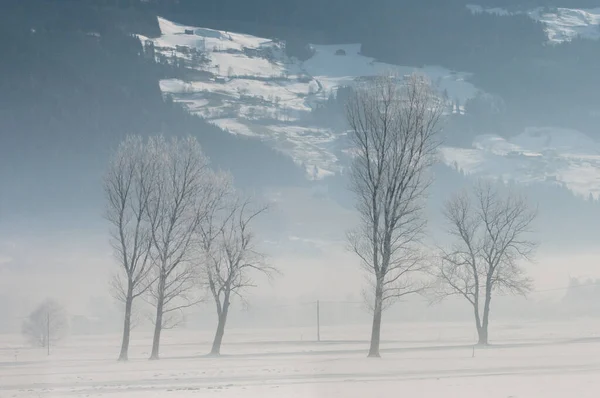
{"points": [[419, 360]]}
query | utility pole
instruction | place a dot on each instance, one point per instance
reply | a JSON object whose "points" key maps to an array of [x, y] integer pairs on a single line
{"points": [[318, 322], [48, 332]]}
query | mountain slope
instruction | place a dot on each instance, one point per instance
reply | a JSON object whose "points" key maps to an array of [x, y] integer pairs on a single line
{"points": [[249, 86], [561, 24], [71, 89], [557, 156]]}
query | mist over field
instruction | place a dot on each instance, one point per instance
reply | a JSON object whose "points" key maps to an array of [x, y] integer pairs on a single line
{"points": [[258, 195]]}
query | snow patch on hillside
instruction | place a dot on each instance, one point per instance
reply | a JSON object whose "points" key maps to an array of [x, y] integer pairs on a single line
{"points": [[560, 156], [249, 86], [173, 34], [334, 70], [565, 24], [234, 127], [477, 9], [562, 24]]}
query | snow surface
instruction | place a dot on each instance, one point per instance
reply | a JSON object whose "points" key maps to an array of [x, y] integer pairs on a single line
{"points": [[560, 156], [562, 24], [565, 24], [173, 34], [252, 88], [334, 70], [527, 360]]}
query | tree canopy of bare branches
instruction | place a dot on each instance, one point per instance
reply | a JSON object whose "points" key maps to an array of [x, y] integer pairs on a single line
{"points": [[394, 125], [183, 287], [183, 192], [230, 256], [128, 185], [491, 231], [46, 325]]}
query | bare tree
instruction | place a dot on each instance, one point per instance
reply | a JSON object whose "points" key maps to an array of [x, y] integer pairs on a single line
{"points": [[230, 256], [393, 125], [46, 325], [178, 204], [491, 230], [128, 186], [180, 292]]}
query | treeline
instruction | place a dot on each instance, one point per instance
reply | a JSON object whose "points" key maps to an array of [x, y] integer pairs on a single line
{"points": [[73, 83]]}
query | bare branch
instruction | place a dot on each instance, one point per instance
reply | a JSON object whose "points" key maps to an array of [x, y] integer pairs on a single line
{"points": [[128, 185], [230, 255], [394, 125], [182, 195], [490, 229]]}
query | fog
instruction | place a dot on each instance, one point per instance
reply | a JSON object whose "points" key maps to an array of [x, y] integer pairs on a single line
{"points": [[74, 263], [265, 91]]}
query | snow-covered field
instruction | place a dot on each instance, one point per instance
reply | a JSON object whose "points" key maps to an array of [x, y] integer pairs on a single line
{"points": [[528, 360]]}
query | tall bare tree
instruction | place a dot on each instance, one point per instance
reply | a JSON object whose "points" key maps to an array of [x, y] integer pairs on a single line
{"points": [[128, 185], [393, 125], [180, 292], [230, 257], [491, 229], [46, 325], [178, 204]]}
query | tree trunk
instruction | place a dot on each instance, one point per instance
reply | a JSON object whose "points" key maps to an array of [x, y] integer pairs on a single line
{"points": [[159, 319], [376, 329], [477, 320], [124, 355], [483, 332], [216, 346]]}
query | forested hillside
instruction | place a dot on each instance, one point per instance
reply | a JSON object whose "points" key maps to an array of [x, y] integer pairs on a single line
{"points": [[74, 80], [73, 83], [508, 55]]}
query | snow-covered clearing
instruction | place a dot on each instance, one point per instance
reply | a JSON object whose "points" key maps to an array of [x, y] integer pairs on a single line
{"points": [[562, 24], [561, 156], [250, 86], [420, 360], [334, 70], [174, 34], [234, 127], [565, 24]]}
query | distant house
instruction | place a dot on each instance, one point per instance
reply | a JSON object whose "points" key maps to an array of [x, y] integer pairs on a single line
{"points": [[189, 31], [340, 52]]}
